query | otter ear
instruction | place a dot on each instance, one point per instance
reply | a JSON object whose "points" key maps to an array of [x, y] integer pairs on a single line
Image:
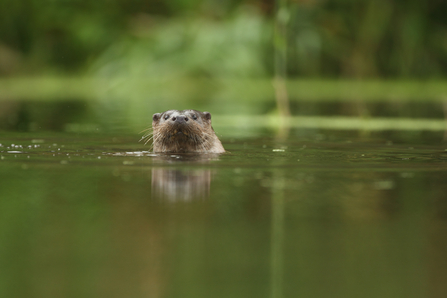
{"points": [[156, 117], [207, 115]]}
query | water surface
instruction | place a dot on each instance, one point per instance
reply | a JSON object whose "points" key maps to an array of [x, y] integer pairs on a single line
{"points": [[313, 214]]}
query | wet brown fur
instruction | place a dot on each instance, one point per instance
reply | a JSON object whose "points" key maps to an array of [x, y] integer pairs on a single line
{"points": [[194, 134]]}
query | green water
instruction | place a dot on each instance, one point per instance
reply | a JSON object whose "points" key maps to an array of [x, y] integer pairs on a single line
{"points": [[314, 214]]}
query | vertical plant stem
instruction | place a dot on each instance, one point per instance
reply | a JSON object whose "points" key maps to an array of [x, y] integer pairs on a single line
{"points": [[280, 46], [445, 117]]}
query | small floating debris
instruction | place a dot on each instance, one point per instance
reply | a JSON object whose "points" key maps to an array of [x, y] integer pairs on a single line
{"points": [[134, 153], [278, 150], [119, 154], [14, 151]]}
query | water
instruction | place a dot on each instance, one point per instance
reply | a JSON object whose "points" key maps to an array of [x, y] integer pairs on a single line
{"points": [[314, 214]]}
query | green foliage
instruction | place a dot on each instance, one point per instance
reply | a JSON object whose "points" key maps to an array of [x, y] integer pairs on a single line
{"points": [[368, 39], [183, 63], [190, 47], [361, 39]]}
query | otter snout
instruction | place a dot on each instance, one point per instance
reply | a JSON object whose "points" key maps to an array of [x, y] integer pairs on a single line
{"points": [[180, 119]]}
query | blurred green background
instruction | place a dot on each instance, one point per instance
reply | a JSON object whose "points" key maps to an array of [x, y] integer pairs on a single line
{"points": [[352, 204], [114, 63]]}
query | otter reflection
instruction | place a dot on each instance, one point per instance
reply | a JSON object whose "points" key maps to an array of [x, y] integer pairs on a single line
{"points": [[177, 179]]}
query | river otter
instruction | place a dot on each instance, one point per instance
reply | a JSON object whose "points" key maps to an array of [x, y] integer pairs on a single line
{"points": [[184, 131]]}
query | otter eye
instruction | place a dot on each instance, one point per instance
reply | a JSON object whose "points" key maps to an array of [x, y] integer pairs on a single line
{"points": [[194, 116], [166, 117]]}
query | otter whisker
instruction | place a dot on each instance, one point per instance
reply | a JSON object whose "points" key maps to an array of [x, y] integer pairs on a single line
{"points": [[149, 128], [148, 140]]}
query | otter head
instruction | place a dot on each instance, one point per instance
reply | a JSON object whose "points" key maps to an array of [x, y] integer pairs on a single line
{"points": [[184, 131]]}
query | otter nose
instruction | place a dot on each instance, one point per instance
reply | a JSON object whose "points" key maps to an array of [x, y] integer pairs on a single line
{"points": [[180, 119]]}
